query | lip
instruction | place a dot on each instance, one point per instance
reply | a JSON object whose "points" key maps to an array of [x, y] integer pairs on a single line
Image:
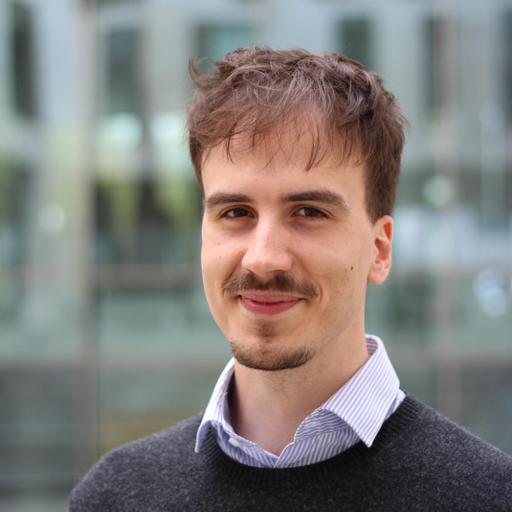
{"points": [[268, 304]]}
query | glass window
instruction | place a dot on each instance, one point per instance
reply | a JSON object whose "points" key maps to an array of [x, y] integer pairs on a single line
{"points": [[120, 3], [507, 64], [213, 41], [36, 436], [488, 384], [141, 221], [170, 317], [123, 73], [14, 188], [356, 40], [148, 397], [435, 30], [23, 61]]}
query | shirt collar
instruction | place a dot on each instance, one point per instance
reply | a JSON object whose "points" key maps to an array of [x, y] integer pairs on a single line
{"points": [[363, 402], [216, 413]]}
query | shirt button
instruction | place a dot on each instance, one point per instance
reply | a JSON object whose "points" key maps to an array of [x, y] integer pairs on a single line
{"points": [[233, 442]]}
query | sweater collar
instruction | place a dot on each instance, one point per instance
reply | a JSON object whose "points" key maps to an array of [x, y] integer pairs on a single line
{"points": [[411, 416]]}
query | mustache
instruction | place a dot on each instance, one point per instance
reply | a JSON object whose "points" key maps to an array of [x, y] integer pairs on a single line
{"points": [[281, 282]]}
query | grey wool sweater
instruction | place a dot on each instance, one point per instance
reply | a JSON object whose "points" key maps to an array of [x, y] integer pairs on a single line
{"points": [[420, 461]]}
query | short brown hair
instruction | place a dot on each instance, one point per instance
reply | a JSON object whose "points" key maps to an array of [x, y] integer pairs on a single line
{"points": [[253, 91]]}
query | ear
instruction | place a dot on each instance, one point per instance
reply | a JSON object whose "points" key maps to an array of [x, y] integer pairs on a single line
{"points": [[383, 250]]}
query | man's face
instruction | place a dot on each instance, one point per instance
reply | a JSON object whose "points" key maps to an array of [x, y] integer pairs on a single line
{"points": [[287, 255]]}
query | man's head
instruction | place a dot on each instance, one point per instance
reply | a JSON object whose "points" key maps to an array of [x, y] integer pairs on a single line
{"points": [[339, 105], [298, 156]]}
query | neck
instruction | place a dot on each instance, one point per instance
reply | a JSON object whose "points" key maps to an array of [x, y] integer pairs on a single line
{"points": [[267, 407]]}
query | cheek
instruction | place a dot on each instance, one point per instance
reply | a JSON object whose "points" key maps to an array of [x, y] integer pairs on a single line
{"points": [[211, 243], [344, 283], [211, 268], [334, 268], [211, 265], [218, 262]]}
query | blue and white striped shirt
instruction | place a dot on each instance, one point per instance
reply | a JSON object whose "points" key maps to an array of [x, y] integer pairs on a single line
{"points": [[355, 412]]}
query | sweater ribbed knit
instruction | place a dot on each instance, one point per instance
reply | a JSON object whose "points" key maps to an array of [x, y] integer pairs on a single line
{"points": [[420, 461]]}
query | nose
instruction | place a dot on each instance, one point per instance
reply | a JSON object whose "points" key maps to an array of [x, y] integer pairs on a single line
{"points": [[267, 250]]}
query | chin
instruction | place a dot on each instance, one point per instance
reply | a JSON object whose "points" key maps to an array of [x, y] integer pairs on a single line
{"points": [[267, 360]]}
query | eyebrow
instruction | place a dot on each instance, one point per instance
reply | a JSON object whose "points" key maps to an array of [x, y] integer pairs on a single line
{"points": [[320, 196], [221, 198]]}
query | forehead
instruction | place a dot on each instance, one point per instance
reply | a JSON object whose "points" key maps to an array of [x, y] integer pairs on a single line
{"points": [[303, 140], [272, 172]]}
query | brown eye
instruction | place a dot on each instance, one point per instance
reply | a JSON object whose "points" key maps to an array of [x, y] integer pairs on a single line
{"points": [[235, 213], [309, 211]]}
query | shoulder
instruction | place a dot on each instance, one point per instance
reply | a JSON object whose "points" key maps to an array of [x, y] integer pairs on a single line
{"points": [[136, 468], [447, 462], [441, 434]]}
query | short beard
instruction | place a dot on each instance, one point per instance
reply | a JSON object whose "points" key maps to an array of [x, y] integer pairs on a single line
{"points": [[261, 359]]}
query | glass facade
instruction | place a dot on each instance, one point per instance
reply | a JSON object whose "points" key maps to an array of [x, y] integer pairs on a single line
{"points": [[105, 334]]}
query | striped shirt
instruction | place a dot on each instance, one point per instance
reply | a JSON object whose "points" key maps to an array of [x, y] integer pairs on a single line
{"points": [[354, 413]]}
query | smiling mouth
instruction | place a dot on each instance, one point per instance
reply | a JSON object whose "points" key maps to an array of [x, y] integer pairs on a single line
{"points": [[268, 304]]}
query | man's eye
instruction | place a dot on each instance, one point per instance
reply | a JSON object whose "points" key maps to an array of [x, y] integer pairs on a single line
{"points": [[235, 213], [309, 211]]}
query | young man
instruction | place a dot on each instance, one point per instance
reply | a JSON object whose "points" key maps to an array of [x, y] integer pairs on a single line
{"points": [[298, 156]]}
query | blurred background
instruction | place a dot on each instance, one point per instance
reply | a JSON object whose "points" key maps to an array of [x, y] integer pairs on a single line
{"points": [[104, 332]]}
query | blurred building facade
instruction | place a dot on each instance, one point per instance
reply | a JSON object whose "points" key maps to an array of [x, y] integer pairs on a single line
{"points": [[105, 335]]}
